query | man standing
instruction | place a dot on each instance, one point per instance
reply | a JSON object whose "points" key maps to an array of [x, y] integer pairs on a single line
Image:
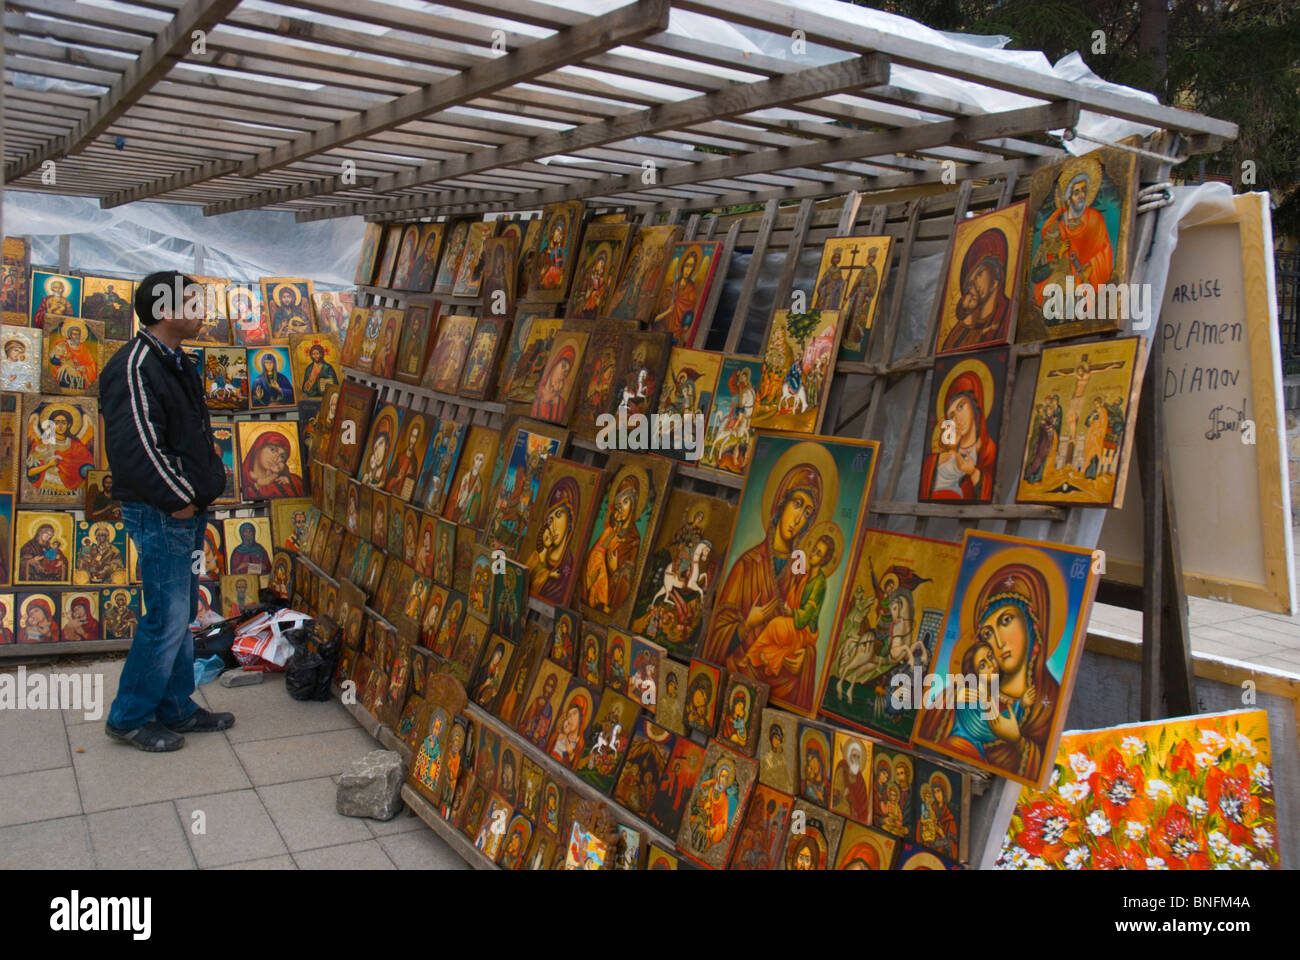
{"points": [[167, 470]]}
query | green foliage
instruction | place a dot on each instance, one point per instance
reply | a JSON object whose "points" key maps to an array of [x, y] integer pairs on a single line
{"points": [[1236, 60]]}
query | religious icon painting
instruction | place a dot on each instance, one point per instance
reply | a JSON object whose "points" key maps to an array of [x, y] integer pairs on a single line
{"points": [[639, 376], [365, 329], [485, 684], [894, 605], [270, 387], [38, 618], [595, 383], [657, 858], [387, 263], [761, 839], [562, 644], [270, 461], [865, 848], [250, 321], [239, 592], [470, 485], [444, 552], [519, 676], [630, 850], [120, 613], [351, 426], [109, 301], [463, 561], [644, 768], [332, 312], [456, 235], [943, 810], [645, 665], [314, 360], [518, 834], [554, 397], [637, 293], [689, 385], [368, 260], [574, 719], [978, 302], [966, 405], [592, 838], [415, 343], [676, 785], [1080, 213], [223, 436], [80, 617], [384, 360], [812, 490], [15, 307], [499, 272], [72, 359], [542, 704], [626, 519], [798, 365], [214, 551], [483, 361], [561, 521], [1019, 612], [60, 441], [383, 437], [225, 378], [11, 432], [469, 272], [851, 280], [429, 766], [508, 609], [740, 713], [729, 435], [815, 762], [465, 652], [600, 260], [281, 572], [607, 740], [817, 845], [679, 310], [20, 359], [851, 776], [530, 345], [6, 539], [670, 705], [425, 265], [893, 792], [289, 302], [591, 655], [248, 544], [408, 454], [703, 687], [451, 347], [406, 251], [1077, 452], [54, 295], [713, 814], [441, 457], [100, 554], [552, 265]]}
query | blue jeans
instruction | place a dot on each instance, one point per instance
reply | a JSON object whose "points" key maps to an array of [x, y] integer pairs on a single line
{"points": [[158, 676]]}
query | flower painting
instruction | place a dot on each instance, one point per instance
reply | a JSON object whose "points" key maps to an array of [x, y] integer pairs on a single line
{"points": [[1189, 793]]}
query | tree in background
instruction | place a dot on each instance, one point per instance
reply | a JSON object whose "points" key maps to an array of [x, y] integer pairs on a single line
{"points": [[1237, 60]]}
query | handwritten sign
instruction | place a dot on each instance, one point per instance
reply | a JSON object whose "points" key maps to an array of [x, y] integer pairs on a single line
{"points": [[1221, 396]]}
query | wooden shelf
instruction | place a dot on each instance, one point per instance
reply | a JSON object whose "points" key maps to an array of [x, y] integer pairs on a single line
{"points": [[413, 296], [487, 406], [58, 648], [968, 511], [684, 468]]}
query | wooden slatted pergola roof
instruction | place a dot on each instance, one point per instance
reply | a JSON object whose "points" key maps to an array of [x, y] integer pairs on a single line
{"points": [[334, 108]]}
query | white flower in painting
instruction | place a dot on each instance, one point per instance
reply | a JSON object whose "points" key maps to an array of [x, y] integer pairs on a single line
{"points": [[1206, 759], [1263, 837], [1218, 843], [1133, 746], [1155, 863], [1261, 774], [1258, 865], [1196, 806], [1098, 823], [1074, 792], [1224, 866], [1238, 854], [1077, 858], [1243, 744], [1083, 767], [1037, 863], [1056, 776], [1017, 858], [1135, 829], [1159, 790], [1213, 741]]}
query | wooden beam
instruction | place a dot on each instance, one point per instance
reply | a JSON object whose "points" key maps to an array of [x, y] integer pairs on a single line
{"points": [[962, 130], [729, 101], [154, 61], [585, 39]]}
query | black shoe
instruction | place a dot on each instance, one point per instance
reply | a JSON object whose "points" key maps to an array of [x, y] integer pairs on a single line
{"points": [[151, 737], [201, 721]]}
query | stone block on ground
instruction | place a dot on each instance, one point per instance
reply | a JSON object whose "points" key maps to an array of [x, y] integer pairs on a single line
{"points": [[372, 786], [240, 677]]}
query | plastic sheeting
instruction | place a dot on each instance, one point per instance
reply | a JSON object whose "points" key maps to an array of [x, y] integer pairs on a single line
{"points": [[139, 238]]}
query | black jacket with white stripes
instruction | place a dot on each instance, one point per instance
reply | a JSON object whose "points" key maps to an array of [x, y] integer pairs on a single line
{"points": [[159, 437]]}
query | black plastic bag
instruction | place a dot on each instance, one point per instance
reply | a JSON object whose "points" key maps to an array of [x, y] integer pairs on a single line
{"points": [[308, 672]]}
